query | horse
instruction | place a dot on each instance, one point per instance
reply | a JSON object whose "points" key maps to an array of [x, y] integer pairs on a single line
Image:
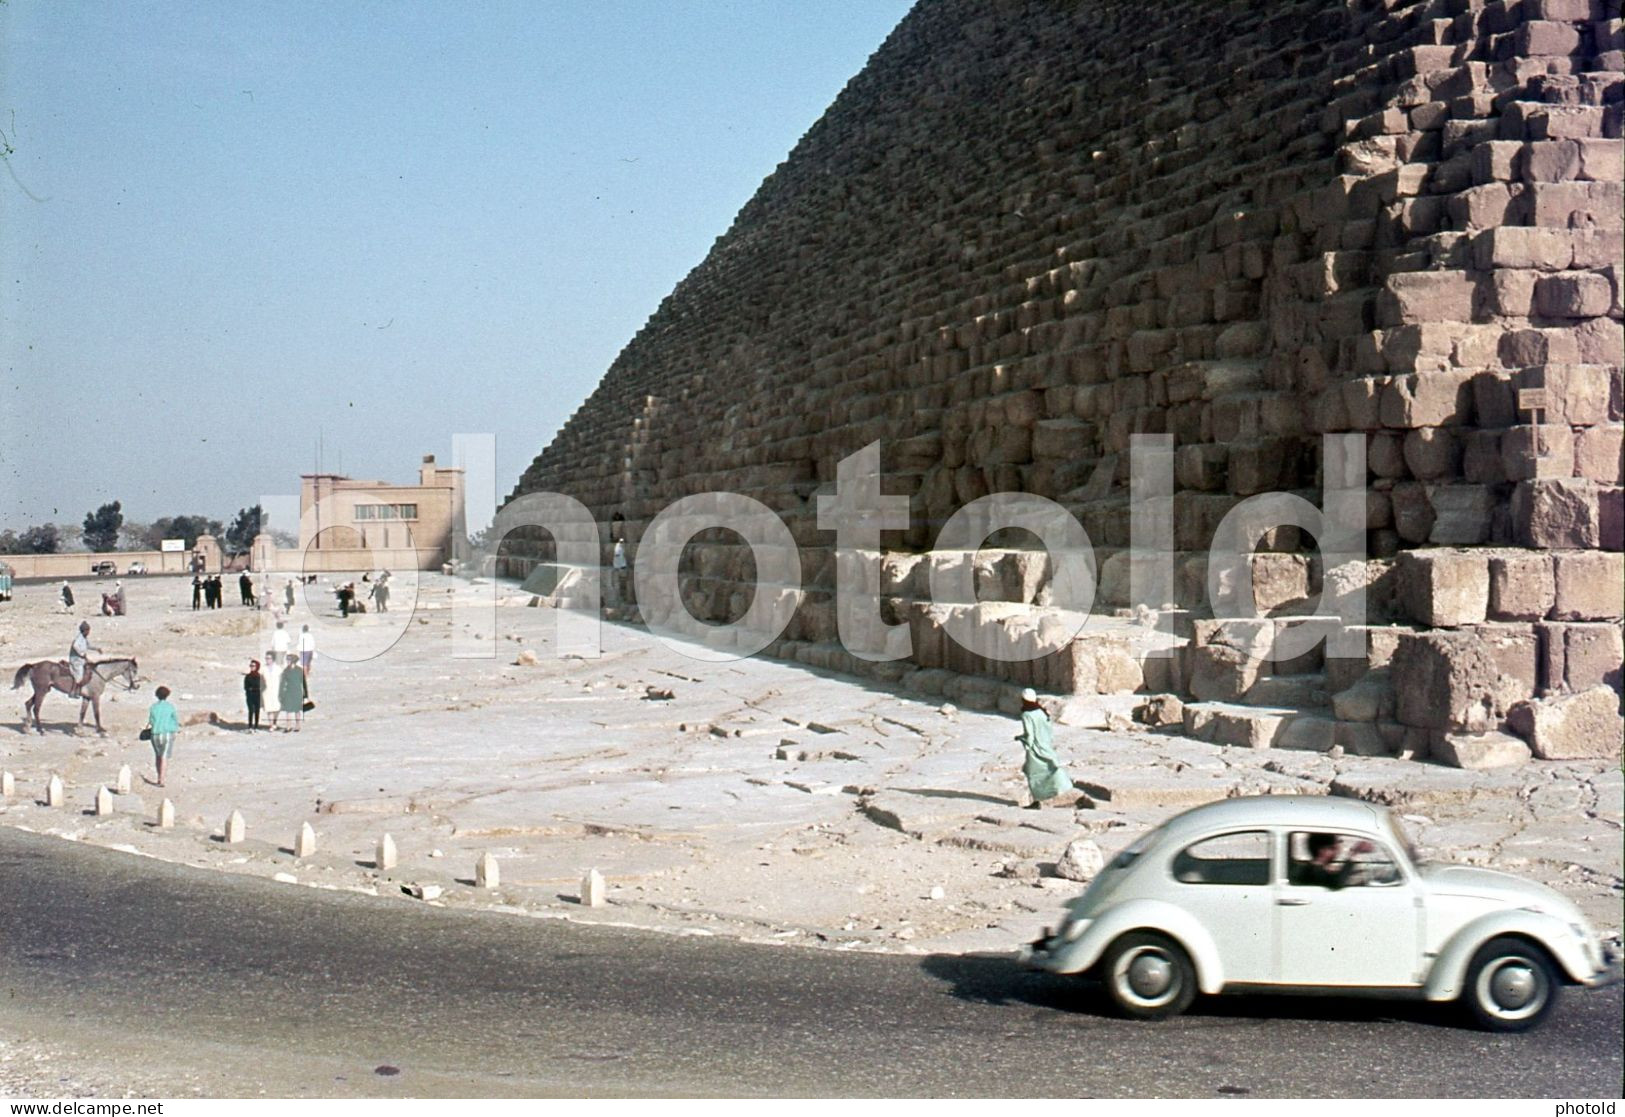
{"points": [[50, 673]]}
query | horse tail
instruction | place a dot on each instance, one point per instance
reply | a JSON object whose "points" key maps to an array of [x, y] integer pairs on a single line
{"points": [[22, 673]]}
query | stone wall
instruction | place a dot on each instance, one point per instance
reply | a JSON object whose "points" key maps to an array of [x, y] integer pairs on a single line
{"points": [[1027, 232]]}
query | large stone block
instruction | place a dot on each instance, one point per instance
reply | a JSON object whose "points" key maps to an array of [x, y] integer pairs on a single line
{"points": [[1584, 726], [1447, 681], [1444, 589], [1556, 514], [1430, 399], [1597, 454], [1479, 751], [1522, 586], [1589, 586], [1228, 657]]}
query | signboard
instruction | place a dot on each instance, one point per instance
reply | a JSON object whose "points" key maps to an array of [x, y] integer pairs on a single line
{"points": [[1532, 399], [175, 545]]}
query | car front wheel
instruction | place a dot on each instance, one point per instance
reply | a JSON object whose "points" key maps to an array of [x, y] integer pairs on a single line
{"points": [[1510, 986], [1149, 976]]}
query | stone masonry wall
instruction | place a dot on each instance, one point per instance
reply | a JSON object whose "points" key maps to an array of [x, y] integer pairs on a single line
{"points": [[1028, 231]]}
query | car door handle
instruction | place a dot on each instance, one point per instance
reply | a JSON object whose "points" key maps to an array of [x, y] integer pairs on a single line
{"points": [[1291, 903]]}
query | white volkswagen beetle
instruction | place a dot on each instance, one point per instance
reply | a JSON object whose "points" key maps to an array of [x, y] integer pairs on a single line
{"points": [[1317, 894]]}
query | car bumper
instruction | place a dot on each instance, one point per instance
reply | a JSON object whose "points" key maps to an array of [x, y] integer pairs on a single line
{"points": [[1610, 974]]}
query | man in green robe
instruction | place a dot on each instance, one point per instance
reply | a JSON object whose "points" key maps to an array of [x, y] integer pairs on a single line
{"points": [[1045, 777]]}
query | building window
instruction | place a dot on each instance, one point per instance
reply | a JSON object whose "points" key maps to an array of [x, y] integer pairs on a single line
{"points": [[386, 512]]}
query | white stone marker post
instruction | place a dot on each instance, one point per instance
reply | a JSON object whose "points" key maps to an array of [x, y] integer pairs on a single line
{"points": [[166, 815], [53, 791], [236, 828], [592, 889], [385, 857], [122, 785], [104, 801], [305, 844], [8, 785], [486, 873]]}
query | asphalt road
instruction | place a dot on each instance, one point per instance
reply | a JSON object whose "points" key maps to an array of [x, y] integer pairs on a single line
{"points": [[161, 980]]}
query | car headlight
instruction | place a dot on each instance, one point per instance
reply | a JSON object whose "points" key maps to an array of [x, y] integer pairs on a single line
{"points": [[1073, 930]]}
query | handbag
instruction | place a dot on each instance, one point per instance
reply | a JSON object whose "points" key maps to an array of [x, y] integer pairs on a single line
{"points": [[308, 706], [146, 734]]}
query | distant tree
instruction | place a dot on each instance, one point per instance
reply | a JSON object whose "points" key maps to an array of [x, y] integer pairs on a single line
{"points": [[133, 536], [41, 540], [287, 540], [240, 535], [102, 525], [186, 528]]}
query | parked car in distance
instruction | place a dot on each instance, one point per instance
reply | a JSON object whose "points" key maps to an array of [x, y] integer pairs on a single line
{"points": [[106, 568], [1317, 894], [138, 567]]}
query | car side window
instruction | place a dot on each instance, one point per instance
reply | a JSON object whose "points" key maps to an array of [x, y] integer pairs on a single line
{"points": [[1236, 859], [1331, 860]]}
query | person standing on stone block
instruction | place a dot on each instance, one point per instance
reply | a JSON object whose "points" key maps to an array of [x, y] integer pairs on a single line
{"points": [[162, 725], [1045, 777], [292, 692], [253, 692]]}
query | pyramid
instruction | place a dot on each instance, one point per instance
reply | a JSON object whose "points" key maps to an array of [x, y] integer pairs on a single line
{"points": [[1027, 235]]}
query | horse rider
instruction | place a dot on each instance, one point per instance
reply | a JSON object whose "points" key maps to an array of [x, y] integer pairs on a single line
{"points": [[79, 658]]}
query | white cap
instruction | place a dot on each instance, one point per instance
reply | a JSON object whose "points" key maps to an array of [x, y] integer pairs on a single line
{"points": [[1029, 695]]}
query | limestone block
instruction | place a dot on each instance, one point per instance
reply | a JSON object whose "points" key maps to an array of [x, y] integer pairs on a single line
{"points": [[1575, 205], [1597, 454], [1308, 734], [1544, 451], [1581, 726], [1203, 467], [1478, 751], [1432, 453], [1522, 586], [236, 828], [1228, 657], [1574, 295], [1444, 589], [1430, 399], [1589, 586], [166, 815], [1428, 296], [1247, 727], [1519, 246], [486, 872], [385, 856], [304, 843], [1370, 699], [1413, 511], [1511, 292], [54, 795], [1385, 455], [1358, 738], [1278, 580], [1551, 161], [1462, 514], [592, 889], [1556, 514], [1160, 711], [1591, 655], [104, 801], [1080, 861], [1446, 680]]}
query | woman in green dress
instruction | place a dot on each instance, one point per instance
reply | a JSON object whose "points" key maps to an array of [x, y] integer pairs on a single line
{"points": [[1045, 777]]}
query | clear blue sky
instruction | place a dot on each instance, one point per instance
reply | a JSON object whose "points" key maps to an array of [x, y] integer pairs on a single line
{"points": [[226, 228]]}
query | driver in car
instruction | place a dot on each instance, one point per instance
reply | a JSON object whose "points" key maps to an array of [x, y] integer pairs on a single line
{"points": [[1331, 863]]}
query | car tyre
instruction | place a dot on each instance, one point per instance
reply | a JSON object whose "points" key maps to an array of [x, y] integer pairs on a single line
{"points": [[1511, 986], [1149, 976]]}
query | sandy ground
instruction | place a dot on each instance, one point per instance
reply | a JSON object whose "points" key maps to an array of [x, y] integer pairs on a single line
{"points": [[762, 800]]}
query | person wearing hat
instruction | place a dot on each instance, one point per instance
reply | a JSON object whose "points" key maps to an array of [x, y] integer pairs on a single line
{"points": [[1045, 777]]}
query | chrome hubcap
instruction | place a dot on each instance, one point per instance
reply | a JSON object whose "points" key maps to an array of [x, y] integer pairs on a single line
{"points": [[1511, 988], [1150, 975]]}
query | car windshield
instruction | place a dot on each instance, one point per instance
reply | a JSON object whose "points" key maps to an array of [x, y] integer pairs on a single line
{"points": [[1402, 838]]}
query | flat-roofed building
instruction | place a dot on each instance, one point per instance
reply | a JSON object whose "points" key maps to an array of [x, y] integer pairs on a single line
{"points": [[343, 521]]}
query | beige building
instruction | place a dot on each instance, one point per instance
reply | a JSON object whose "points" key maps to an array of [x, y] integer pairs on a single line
{"points": [[342, 520]]}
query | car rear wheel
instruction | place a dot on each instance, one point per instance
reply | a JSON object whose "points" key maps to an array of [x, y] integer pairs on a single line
{"points": [[1511, 986], [1149, 976]]}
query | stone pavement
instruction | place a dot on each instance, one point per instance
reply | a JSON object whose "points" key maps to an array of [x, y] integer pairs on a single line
{"points": [[761, 799]]}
